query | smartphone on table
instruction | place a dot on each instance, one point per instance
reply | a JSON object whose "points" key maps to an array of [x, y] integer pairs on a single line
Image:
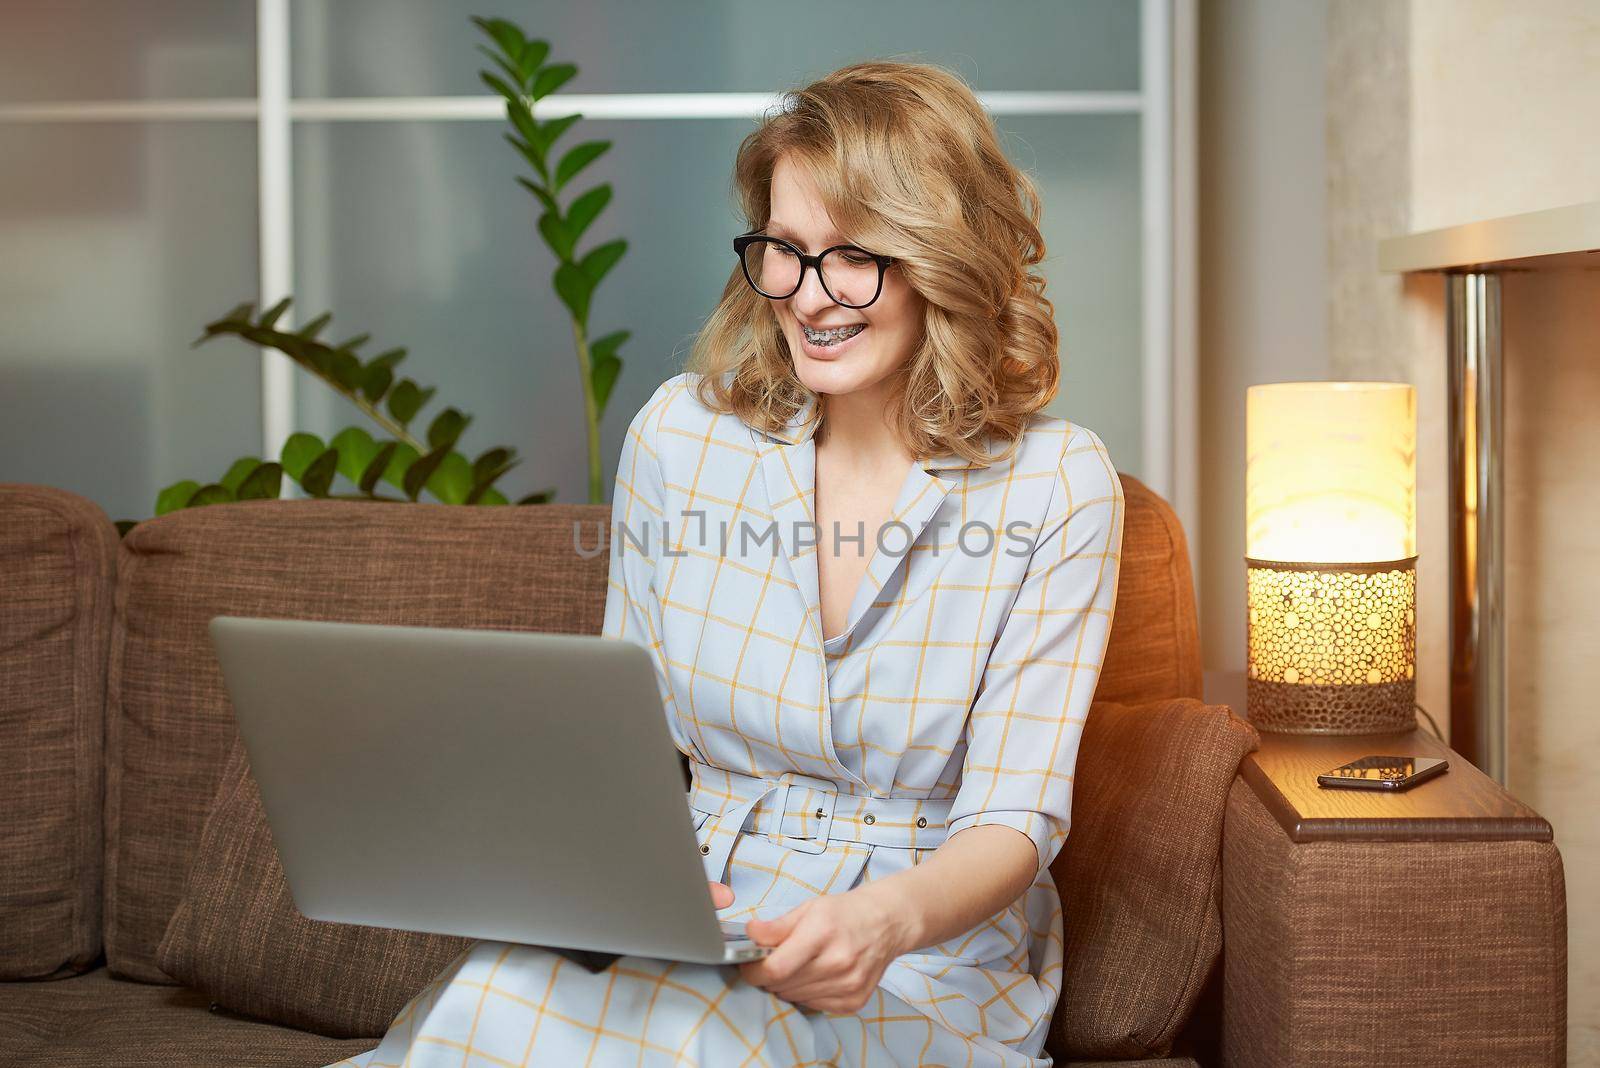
{"points": [[1384, 772]]}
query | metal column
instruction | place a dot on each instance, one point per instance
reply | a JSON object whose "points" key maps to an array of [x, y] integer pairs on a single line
{"points": [[1477, 522]]}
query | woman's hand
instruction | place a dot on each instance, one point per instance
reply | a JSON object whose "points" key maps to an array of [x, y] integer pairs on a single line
{"points": [[721, 895], [831, 950]]}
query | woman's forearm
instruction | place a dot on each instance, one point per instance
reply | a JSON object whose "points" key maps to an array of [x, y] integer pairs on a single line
{"points": [[976, 873]]}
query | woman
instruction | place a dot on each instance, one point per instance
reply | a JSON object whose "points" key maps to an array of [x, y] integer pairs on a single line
{"points": [[877, 583]]}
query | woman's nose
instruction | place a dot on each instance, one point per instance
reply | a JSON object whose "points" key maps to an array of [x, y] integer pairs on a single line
{"points": [[811, 298]]}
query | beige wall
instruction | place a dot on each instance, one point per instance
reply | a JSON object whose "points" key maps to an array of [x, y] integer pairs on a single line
{"points": [[1442, 112], [1326, 126], [1263, 280]]}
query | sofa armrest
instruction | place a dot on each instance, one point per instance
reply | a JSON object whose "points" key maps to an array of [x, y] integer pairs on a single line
{"points": [[1378, 928]]}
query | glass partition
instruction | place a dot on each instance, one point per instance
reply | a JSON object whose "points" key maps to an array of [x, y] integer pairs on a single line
{"points": [[122, 240], [347, 48], [418, 233]]}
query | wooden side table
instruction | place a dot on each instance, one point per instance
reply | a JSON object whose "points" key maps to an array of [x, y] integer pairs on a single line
{"points": [[1425, 927], [1462, 805]]}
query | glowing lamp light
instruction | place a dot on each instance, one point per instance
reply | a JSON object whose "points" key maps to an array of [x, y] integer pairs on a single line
{"points": [[1330, 555]]}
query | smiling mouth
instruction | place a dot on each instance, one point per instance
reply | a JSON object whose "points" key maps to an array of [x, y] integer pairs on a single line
{"points": [[834, 336]]}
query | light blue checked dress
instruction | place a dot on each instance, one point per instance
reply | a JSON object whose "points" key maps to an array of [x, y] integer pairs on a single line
{"points": [[956, 696]]}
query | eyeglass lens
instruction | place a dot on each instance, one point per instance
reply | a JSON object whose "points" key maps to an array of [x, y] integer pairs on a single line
{"points": [[849, 277]]}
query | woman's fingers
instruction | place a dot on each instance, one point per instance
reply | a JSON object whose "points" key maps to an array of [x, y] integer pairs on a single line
{"points": [[791, 963], [721, 894]]}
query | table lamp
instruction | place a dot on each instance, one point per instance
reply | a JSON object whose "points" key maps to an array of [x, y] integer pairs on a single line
{"points": [[1330, 552]]}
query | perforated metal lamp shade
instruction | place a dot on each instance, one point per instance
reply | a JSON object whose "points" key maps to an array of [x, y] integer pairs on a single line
{"points": [[1330, 554]]}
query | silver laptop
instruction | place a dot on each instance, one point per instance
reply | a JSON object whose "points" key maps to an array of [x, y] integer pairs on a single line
{"points": [[503, 785]]}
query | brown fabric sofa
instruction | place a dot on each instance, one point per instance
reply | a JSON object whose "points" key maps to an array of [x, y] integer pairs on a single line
{"points": [[115, 732]]}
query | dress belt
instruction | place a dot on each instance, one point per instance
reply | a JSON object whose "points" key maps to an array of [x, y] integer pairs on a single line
{"points": [[806, 813]]}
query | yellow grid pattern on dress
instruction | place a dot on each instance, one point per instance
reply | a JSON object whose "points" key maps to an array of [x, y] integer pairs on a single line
{"points": [[961, 676]]}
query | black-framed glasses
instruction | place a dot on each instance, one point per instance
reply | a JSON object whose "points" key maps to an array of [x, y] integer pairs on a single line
{"points": [[774, 268]]}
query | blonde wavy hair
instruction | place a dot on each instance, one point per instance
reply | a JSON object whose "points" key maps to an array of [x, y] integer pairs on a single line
{"points": [[908, 165]]}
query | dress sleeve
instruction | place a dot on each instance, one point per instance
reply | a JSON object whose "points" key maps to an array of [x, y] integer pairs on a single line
{"points": [[638, 526], [1025, 723]]}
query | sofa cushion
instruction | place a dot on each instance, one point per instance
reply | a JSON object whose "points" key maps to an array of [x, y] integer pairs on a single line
{"points": [[170, 724], [1154, 648], [95, 1020], [238, 936], [1140, 876], [57, 559]]}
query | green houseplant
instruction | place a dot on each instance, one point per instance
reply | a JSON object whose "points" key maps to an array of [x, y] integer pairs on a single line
{"points": [[527, 78], [430, 462]]}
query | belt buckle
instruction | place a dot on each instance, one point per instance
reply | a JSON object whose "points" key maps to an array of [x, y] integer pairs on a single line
{"points": [[816, 842]]}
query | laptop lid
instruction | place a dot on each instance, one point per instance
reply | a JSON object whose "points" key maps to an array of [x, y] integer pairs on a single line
{"points": [[507, 785]]}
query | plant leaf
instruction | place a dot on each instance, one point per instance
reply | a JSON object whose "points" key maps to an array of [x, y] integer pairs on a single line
{"points": [[530, 155], [419, 472], [265, 483], [446, 428], [498, 85], [577, 158], [511, 72], [601, 259], [551, 129], [239, 316], [453, 479], [376, 381], [215, 493], [319, 474], [605, 366], [347, 370], [298, 452], [482, 488], [574, 287], [356, 450], [521, 116], [270, 316], [176, 496], [556, 235], [532, 57], [544, 496], [489, 462], [506, 35], [550, 79], [603, 373], [539, 192], [405, 400], [376, 468], [239, 471], [311, 329], [388, 358], [404, 456], [585, 208], [608, 345]]}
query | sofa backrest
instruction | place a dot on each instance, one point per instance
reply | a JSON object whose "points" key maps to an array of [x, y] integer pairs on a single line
{"points": [[57, 554], [1154, 649], [169, 725]]}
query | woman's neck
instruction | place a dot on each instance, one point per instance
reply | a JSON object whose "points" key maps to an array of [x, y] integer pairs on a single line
{"points": [[853, 430]]}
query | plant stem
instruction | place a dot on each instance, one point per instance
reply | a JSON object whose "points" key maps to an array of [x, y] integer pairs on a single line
{"points": [[376, 415], [270, 339], [591, 414]]}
